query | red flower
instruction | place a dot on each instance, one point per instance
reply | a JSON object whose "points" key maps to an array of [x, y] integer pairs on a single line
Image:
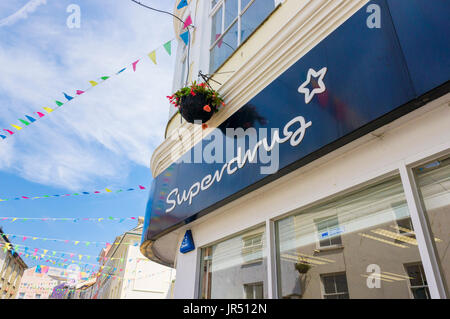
{"points": [[192, 92], [223, 103], [204, 126], [202, 85], [207, 108]]}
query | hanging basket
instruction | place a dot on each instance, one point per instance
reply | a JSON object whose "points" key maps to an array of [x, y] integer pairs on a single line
{"points": [[192, 108], [197, 103], [302, 268]]}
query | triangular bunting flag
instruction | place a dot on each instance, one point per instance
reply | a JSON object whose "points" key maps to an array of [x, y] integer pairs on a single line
{"points": [[30, 118], [40, 114], [59, 103], [121, 71], [134, 65], [93, 83], [185, 37], [104, 78], [24, 122], [16, 127], [49, 110], [79, 92], [68, 97], [152, 56], [188, 22], [182, 4], [168, 47]]}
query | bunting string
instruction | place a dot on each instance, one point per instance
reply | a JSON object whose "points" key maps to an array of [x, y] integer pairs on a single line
{"points": [[66, 241], [27, 120], [57, 253], [105, 191]]}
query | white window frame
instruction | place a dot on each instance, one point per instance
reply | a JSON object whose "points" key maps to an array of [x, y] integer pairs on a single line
{"points": [[237, 19], [334, 293], [422, 275], [331, 246]]}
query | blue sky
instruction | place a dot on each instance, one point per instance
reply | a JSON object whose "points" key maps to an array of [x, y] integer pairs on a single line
{"points": [[103, 138]]}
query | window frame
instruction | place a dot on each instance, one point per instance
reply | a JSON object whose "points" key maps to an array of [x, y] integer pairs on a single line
{"points": [[422, 276], [319, 247], [213, 9], [336, 293]]}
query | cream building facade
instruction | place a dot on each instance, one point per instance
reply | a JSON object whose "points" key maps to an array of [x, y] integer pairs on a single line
{"points": [[126, 274], [12, 268]]}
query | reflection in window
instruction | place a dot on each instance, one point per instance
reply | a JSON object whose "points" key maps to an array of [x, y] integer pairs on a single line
{"points": [[252, 248], [433, 182], [232, 25], [254, 291], [233, 265], [363, 226], [328, 232], [418, 283], [335, 286]]}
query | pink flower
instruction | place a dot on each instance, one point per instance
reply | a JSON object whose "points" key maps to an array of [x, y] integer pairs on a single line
{"points": [[207, 108]]}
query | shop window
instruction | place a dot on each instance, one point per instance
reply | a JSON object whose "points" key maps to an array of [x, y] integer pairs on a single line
{"points": [[21, 295], [37, 296], [254, 291], [373, 252], [233, 21], [328, 232], [417, 281], [228, 266], [335, 286], [433, 183]]}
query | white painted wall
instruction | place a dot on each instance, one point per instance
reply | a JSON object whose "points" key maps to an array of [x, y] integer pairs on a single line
{"points": [[416, 136]]}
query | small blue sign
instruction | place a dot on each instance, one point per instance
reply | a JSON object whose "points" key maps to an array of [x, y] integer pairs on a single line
{"points": [[333, 232], [188, 242]]}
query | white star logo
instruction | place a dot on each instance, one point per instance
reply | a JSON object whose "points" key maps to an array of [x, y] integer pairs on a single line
{"points": [[309, 94]]}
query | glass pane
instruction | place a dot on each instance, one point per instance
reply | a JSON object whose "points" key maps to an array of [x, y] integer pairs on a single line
{"points": [[341, 283], [225, 272], [214, 2], [216, 30], [254, 16], [224, 48], [373, 254], [231, 11], [433, 181], [259, 292], [328, 285]]}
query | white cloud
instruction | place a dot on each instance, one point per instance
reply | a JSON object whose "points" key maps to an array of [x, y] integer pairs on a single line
{"points": [[96, 137], [22, 13]]}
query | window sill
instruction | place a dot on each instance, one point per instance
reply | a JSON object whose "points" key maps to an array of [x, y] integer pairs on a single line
{"points": [[329, 248]]}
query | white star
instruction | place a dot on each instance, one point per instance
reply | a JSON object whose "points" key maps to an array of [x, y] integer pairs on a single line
{"points": [[310, 94]]}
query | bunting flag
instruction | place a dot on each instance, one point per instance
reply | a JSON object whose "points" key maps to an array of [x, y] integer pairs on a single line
{"points": [[69, 97], [182, 4], [188, 22], [152, 56], [168, 47], [107, 190], [135, 64], [185, 37]]}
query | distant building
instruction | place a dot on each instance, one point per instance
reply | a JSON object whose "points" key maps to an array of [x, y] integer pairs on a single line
{"points": [[12, 268], [126, 274], [38, 282]]}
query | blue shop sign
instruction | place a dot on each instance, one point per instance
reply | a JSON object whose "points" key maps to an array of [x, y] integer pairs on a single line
{"points": [[354, 81]]}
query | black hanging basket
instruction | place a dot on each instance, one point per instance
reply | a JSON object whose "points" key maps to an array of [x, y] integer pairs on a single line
{"points": [[192, 108]]}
